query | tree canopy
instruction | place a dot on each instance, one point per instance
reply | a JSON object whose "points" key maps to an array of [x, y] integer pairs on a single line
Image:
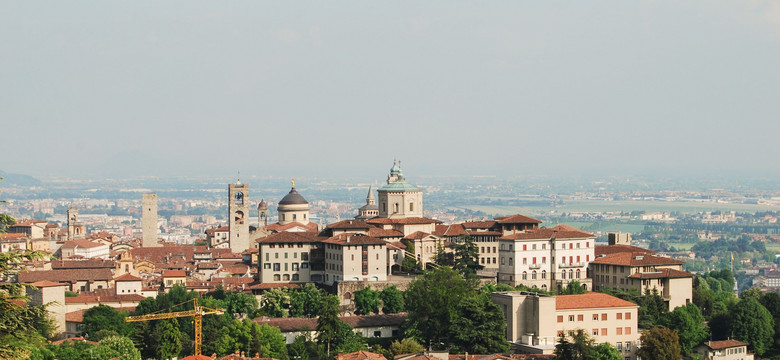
{"points": [[659, 343], [753, 324]]}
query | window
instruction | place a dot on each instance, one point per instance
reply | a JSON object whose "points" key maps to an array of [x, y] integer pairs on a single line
{"points": [[619, 346], [494, 260], [619, 331], [533, 260], [533, 247], [276, 255], [563, 274], [560, 318], [580, 317], [267, 255], [502, 260], [628, 346], [295, 217], [628, 316], [627, 331], [603, 317], [277, 277], [378, 333], [595, 332], [295, 266], [295, 277], [544, 259], [571, 317], [603, 331], [276, 267], [524, 247], [525, 261], [286, 277], [510, 260], [525, 275], [578, 273], [533, 275], [619, 316], [285, 255], [411, 206], [544, 274], [267, 266], [595, 317]]}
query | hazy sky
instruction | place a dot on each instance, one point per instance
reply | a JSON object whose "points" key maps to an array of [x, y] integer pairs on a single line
{"points": [[327, 87]]}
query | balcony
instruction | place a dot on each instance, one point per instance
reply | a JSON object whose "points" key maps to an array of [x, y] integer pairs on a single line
{"points": [[534, 266], [571, 265]]}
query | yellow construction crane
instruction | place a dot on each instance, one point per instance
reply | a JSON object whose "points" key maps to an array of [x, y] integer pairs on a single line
{"points": [[196, 313]]}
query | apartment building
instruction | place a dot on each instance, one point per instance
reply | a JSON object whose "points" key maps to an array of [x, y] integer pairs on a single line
{"points": [[643, 271], [535, 321], [548, 258], [355, 257], [724, 350], [291, 257]]}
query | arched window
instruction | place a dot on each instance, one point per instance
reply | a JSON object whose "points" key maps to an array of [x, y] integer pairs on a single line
{"points": [[295, 277], [395, 207], [533, 275], [563, 274], [282, 217], [295, 217], [411, 206], [544, 274], [277, 277], [578, 273], [286, 277], [525, 275], [544, 287], [571, 274]]}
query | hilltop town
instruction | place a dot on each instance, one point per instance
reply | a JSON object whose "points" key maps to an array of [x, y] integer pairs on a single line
{"points": [[274, 265]]}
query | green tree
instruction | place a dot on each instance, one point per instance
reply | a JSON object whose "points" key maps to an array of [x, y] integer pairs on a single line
{"points": [[275, 303], [392, 300], [431, 301], [329, 324], [366, 301], [443, 257], [605, 351], [574, 288], [659, 343], [167, 338], [103, 317], [306, 301], [22, 326], [651, 308], [405, 346], [689, 323], [581, 346], [348, 340], [479, 327], [467, 257], [240, 304], [409, 263], [753, 324], [268, 341], [122, 346]]}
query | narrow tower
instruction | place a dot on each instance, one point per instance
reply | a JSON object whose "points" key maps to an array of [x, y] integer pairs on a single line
{"points": [[262, 213], [149, 220], [76, 228], [370, 209], [238, 213]]}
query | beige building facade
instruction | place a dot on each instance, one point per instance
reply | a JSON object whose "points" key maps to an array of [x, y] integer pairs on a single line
{"points": [[535, 321]]}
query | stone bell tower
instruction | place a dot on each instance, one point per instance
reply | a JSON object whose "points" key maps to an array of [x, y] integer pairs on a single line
{"points": [[238, 216]]}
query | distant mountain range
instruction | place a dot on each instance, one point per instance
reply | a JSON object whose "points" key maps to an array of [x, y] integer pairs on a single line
{"points": [[10, 179]]}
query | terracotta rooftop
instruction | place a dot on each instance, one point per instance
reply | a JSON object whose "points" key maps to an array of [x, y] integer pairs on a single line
{"points": [[417, 235], [635, 259], [46, 283], [662, 274], [174, 273], [127, 277], [12, 236], [449, 230], [81, 243], [83, 264], [101, 299], [361, 355], [486, 224], [724, 344], [590, 300], [613, 249], [381, 233], [66, 275], [313, 227], [547, 233], [404, 221], [350, 224], [354, 239], [517, 219], [290, 237]]}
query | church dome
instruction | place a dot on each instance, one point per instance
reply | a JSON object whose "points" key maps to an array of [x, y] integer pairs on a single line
{"points": [[262, 204], [293, 198]]}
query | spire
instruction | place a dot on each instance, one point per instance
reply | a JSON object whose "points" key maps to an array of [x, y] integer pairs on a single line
{"points": [[238, 178], [370, 197]]}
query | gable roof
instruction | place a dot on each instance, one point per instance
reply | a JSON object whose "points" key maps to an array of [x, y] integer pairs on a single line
{"points": [[354, 239], [66, 275], [635, 259], [620, 248], [361, 355], [548, 233], [723, 344], [128, 277], [662, 274], [350, 225], [590, 300], [517, 219]]}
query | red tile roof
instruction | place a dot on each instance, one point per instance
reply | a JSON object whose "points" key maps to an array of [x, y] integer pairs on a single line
{"points": [[518, 219], [405, 221], [449, 230], [12, 236], [417, 235], [548, 233], [724, 344], [83, 264], [381, 233], [612, 249], [635, 259], [487, 224], [354, 239], [174, 273], [662, 274], [590, 300], [361, 355], [46, 283], [127, 277], [81, 243], [101, 299], [66, 275], [290, 237], [350, 224]]}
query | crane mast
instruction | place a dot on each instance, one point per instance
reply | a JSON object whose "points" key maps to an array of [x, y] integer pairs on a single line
{"points": [[197, 314]]}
